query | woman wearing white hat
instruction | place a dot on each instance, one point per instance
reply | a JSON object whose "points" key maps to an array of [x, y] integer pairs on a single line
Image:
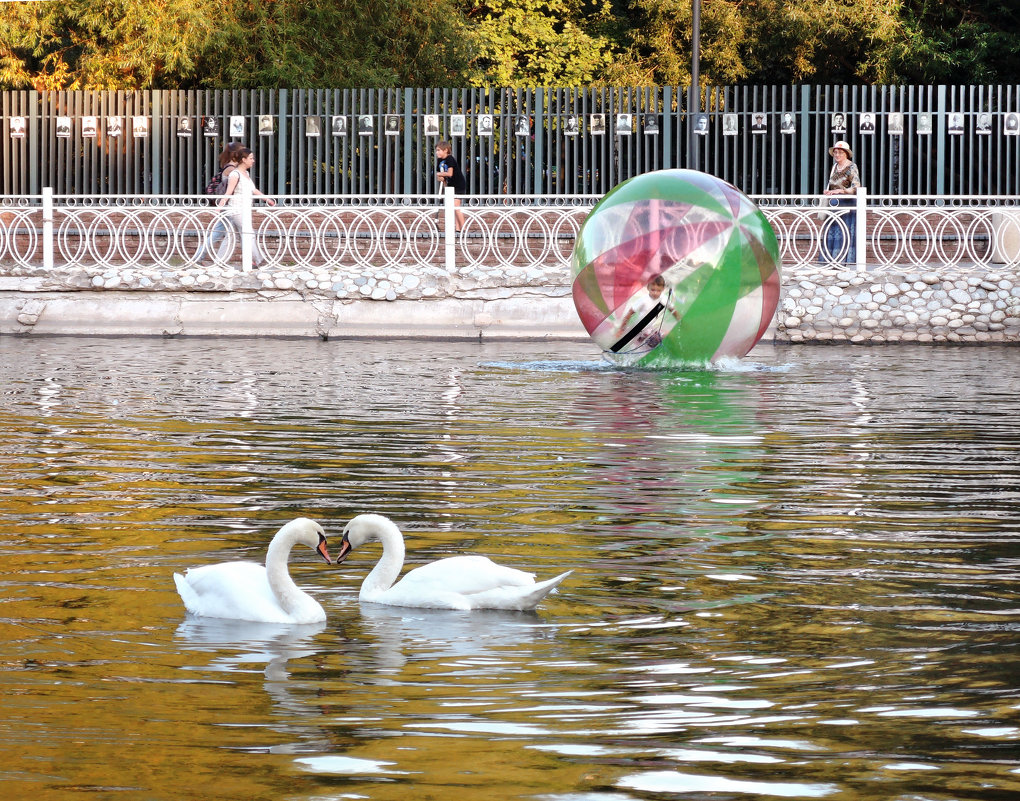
{"points": [[844, 179]]}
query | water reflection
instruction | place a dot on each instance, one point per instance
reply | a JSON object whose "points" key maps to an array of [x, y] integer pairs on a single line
{"points": [[251, 644], [472, 641], [795, 576]]}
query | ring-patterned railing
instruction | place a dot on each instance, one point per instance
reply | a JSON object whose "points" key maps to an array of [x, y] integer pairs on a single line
{"points": [[501, 232]]}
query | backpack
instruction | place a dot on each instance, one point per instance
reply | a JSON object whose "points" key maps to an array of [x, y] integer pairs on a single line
{"points": [[218, 184]]}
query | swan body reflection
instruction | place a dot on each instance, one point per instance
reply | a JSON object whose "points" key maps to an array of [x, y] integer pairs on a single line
{"points": [[458, 582], [248, 591]]}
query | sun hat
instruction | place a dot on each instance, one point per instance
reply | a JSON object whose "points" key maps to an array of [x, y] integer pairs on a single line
{"points": [[842, 146]]}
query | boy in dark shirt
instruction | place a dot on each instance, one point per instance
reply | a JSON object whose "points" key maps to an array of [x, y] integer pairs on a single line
{"points": [[449, 173]]}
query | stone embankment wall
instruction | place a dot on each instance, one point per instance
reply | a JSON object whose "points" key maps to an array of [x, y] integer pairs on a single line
{"points": [[475, 301], [922, 306]]}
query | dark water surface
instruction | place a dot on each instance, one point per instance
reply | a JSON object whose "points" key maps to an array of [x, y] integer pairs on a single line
{"points": [[796, 576]]}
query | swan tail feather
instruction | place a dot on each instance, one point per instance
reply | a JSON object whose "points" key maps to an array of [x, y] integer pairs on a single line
{"points": [[187, 593], [534, 594]]}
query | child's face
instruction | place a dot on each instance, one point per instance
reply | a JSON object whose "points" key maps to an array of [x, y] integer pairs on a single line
{"points": [[654, 290], [441, 153]]}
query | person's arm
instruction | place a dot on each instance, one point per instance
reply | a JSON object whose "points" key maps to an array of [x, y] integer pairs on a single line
{"points": [[231, 186], [269, 201], [855, 181]]}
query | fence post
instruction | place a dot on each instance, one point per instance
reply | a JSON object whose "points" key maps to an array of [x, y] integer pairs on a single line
{"points": [[861, 226], [449, 234], [47, 227], [247, 241]]}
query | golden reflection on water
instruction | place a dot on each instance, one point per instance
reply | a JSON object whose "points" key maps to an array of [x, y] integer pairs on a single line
{"points": [[794, 577]]}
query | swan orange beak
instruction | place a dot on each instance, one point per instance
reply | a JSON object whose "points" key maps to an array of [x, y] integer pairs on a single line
{"points": [[345, 550], [320, 549]]}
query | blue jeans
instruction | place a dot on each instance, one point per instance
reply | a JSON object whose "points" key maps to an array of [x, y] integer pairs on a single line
{"points": [[834, 248], [219, 230]]}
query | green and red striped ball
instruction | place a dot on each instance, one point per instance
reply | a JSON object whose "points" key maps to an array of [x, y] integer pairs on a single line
{"points": [[675, 266]]}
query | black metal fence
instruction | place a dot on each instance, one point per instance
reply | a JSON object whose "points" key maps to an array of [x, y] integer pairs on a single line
{"points": [[956, 140]]}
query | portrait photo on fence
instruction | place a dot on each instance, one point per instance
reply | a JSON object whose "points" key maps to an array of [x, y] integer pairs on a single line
{"points": [[313, 126], [236, 126], [431, 125], [955, 123], [984, 123], [17, 127], [140, 127], [924, 123], [701, 125], [597, 123], [788, 126], [63, 127], [624, 125], [89, 125], [570, 125], [894, 123], [729, 124], [391, 125], [1011, 124], [114, 126], [458, 125], [184, 127], [867, 123], [483, 127], [366, 125], [650, 124], [838, 125], [210, 126], [339, 125], [523, 126], [759, 123], [266, 124]]}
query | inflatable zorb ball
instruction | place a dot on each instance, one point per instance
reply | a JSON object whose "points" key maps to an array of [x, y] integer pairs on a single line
{"points": [[675, 266]]}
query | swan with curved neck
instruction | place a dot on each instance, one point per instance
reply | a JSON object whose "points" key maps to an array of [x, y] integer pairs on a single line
{"points": [[249, 591], [458, 582]]}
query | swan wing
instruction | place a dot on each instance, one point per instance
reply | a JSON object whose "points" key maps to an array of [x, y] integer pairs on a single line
{"points": [[467, 582], [466, 575], [518, 598], [237, 590]]}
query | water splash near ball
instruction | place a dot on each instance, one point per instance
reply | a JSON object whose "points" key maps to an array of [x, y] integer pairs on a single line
{"points": [[675, 267]]}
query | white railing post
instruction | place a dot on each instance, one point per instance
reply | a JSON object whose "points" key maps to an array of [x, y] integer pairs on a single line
{"points": [[47, 227], [449, 232], [861, 232], [247, 240]]}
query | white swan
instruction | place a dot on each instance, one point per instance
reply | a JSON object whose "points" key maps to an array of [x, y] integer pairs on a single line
{"points": [[459, 582], [249, 591]]}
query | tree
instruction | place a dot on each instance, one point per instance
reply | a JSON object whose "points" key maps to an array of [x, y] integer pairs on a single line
{"points": [[103, 44], [539, 42], [657, 46], [955, 42], [820, 41], [339, 44]]}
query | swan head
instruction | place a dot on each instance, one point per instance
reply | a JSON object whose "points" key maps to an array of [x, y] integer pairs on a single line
{"points": [[362, 529], [309, 533]]}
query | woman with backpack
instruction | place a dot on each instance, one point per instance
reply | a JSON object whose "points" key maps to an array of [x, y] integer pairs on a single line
{"points": [[216, 187], [240, 195]]}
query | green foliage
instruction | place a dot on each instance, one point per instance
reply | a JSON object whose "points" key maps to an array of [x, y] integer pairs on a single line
{"points": [[824, 41], [657, 50], [958, 42], [103, 44], [338, 43], [538, 42], [137, 44]]}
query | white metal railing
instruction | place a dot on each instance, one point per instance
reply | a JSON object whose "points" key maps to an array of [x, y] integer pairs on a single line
{"points": [[962, 231], [302, 232], [500, 232]]}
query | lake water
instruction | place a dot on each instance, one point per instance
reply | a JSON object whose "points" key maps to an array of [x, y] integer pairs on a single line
{"points": [[795, 576]]}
